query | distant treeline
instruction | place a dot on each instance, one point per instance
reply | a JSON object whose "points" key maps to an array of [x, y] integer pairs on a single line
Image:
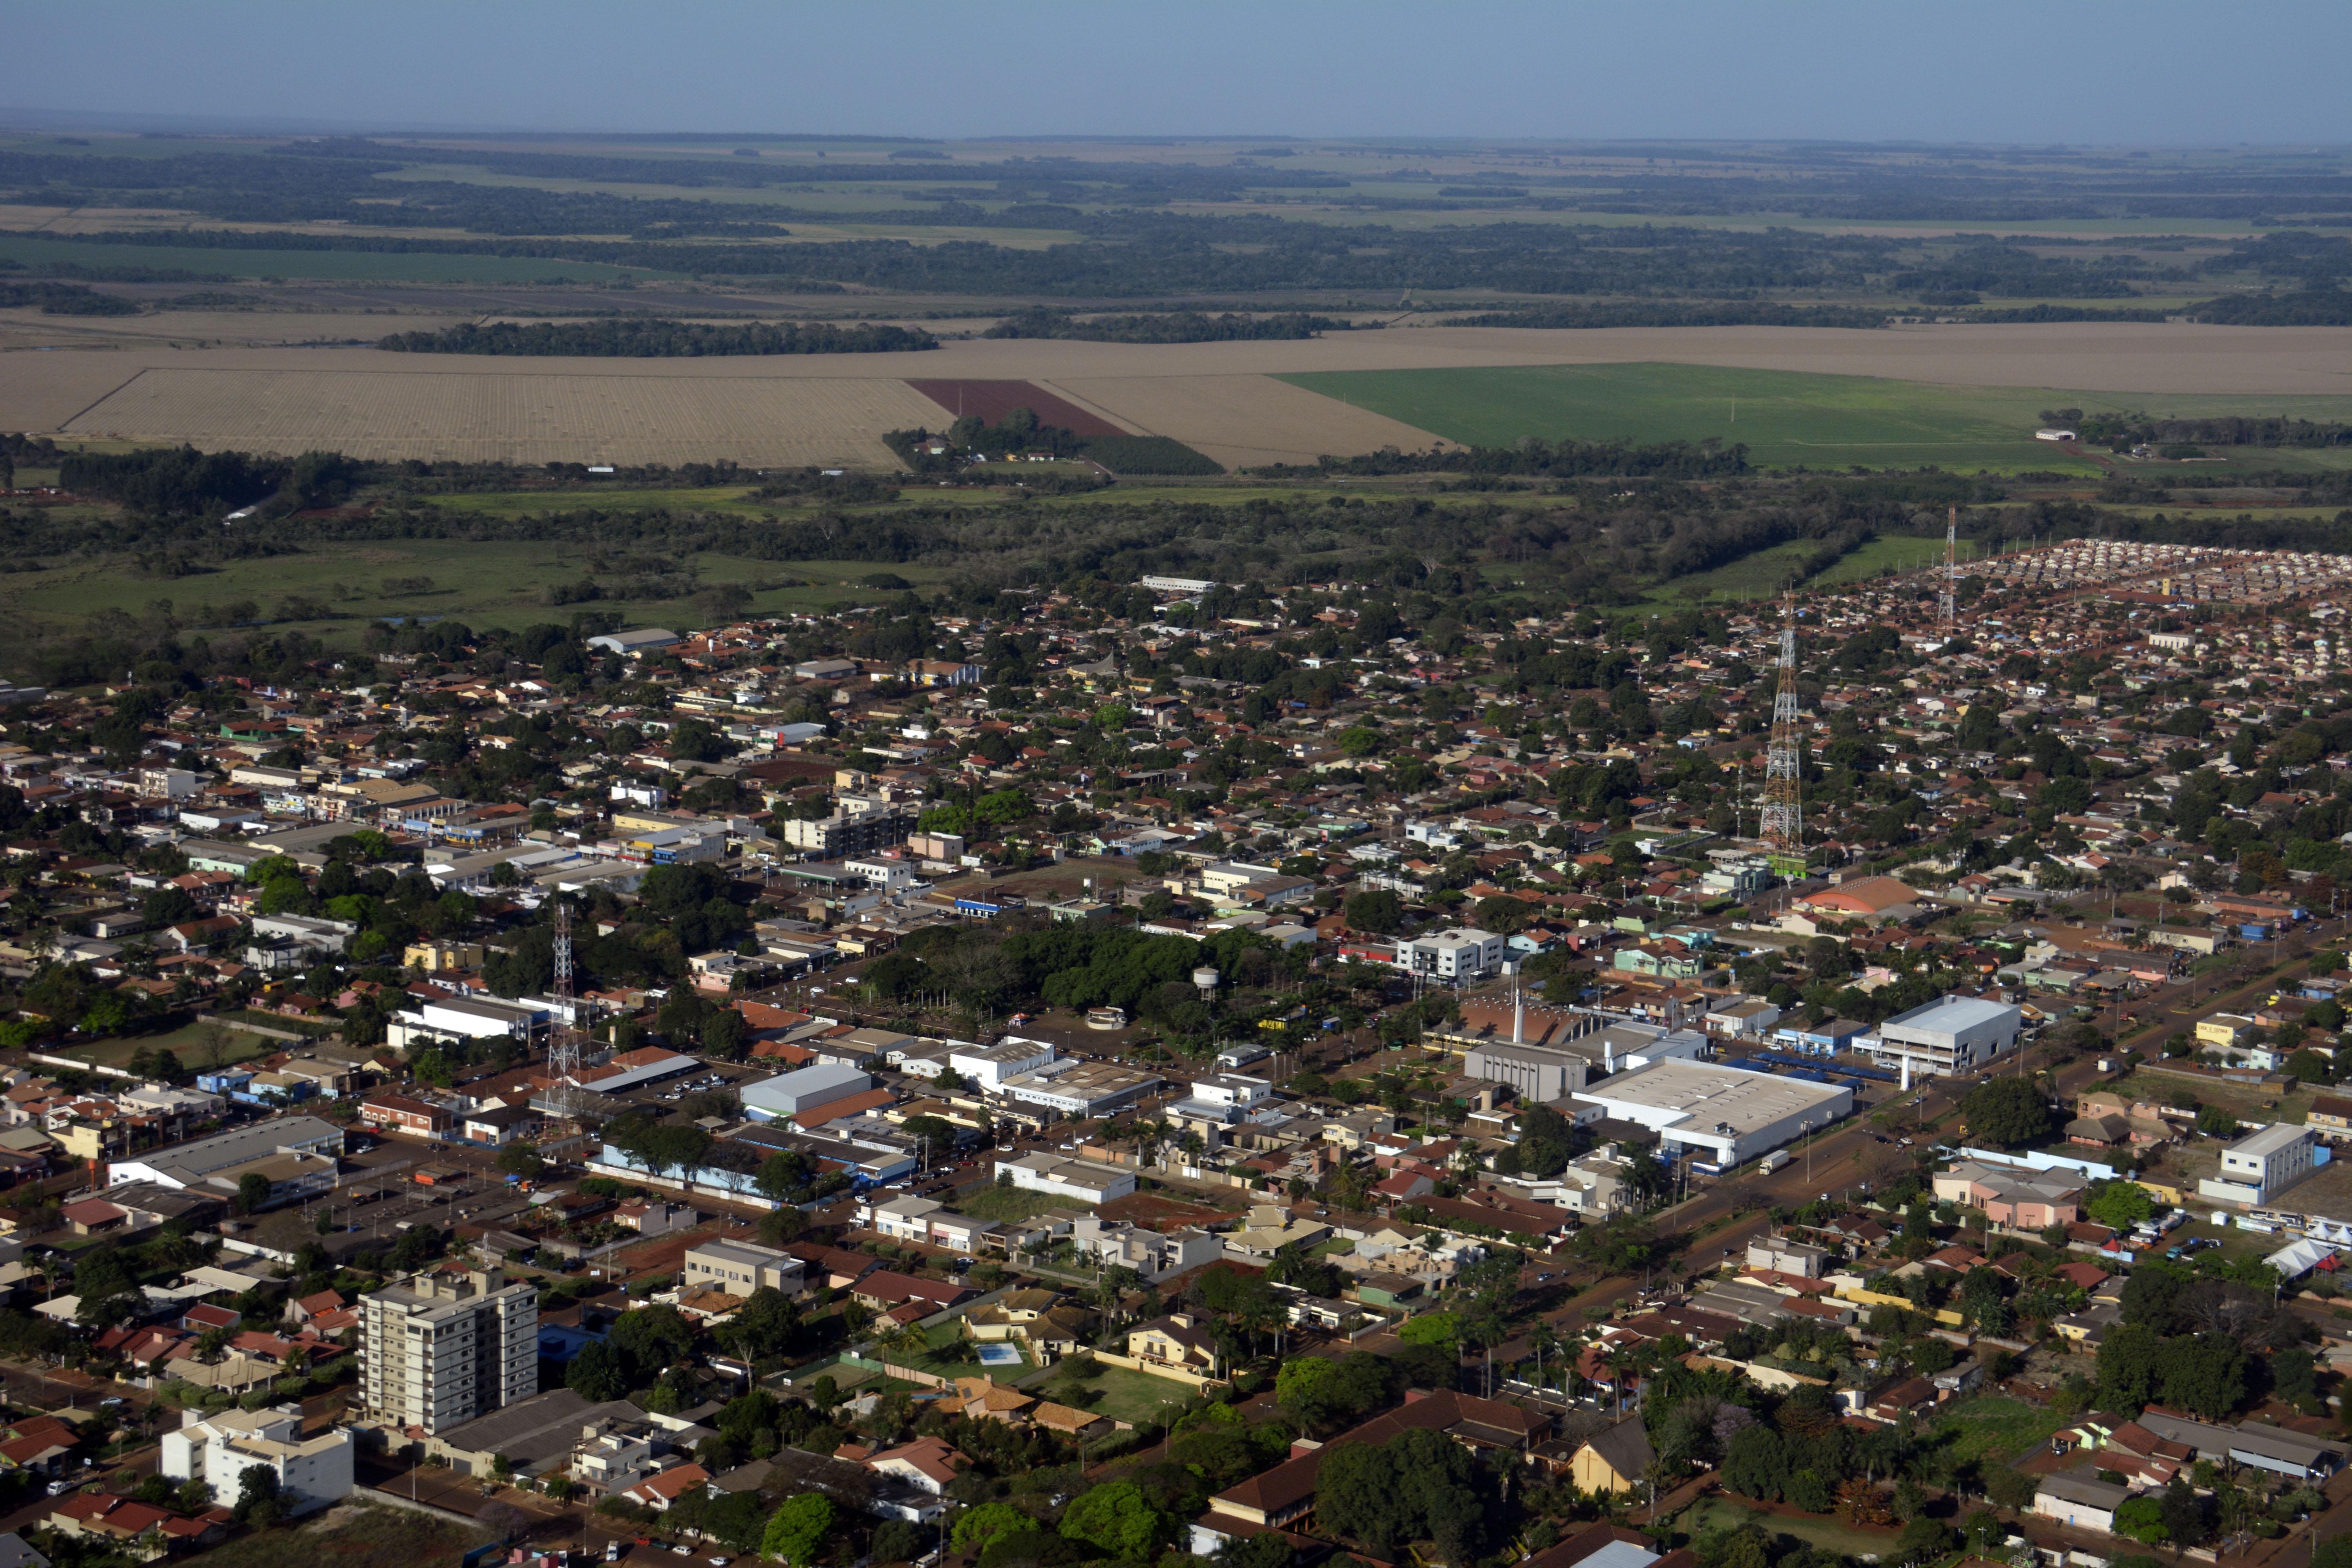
{"points": [[1676, 313], [2070, 313], [1537, 459], [1172, 327], [64, 299], [2311, 307], [2124, 430], [620, 338]]}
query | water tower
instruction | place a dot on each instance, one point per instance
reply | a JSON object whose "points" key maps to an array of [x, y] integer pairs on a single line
{"points": [[1204, 981]]}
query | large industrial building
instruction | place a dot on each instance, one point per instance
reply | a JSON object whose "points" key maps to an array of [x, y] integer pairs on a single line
{"points": [[297, 1154], [441, 1349], [1952, 1035], [791, 1093], [1725, 1116]]}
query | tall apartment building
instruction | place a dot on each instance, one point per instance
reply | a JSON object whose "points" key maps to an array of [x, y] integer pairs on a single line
{"points": [[439, 1349], [851, 831]]}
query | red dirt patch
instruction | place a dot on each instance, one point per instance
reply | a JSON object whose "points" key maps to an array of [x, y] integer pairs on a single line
{"points": [[1153, 1212], [992, 400]]}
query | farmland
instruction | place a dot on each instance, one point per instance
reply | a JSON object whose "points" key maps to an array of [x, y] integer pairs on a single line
{"points": [[530, 417], [1824, 399], [1785, 418]]}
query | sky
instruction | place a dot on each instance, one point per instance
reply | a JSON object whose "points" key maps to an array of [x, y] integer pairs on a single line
{"points": [[2157, 72]]}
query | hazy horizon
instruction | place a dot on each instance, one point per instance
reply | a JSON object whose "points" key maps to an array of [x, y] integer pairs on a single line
{"points": [[1998, 73]]}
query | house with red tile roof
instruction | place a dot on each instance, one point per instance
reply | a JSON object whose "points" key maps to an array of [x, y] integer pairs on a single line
{"points": [[658, 1491]]}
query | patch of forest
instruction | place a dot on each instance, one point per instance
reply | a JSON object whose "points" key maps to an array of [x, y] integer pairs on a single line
{"points": [[636, 337], [1169, 327]]}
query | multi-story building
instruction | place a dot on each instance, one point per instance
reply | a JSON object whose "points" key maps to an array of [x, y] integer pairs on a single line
{"points": [[442, 1348], [2263, 1163], [218, 1450], [1952, 1035], [740, 1267], [1461, 954], [849, 832]]}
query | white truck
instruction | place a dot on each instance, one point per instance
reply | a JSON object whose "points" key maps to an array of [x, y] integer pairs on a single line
{"points": [[1773, 1162]]}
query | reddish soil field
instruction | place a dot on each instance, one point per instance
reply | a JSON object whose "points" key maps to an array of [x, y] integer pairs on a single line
{"points": [[1155, 1213], [992, 400]]}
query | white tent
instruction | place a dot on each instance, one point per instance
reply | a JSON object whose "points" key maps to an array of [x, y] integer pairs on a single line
{"points": [[2300, 1258]]}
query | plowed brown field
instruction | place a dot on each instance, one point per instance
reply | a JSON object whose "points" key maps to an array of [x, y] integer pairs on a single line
{"points": [[528, 419], [992, 400]]}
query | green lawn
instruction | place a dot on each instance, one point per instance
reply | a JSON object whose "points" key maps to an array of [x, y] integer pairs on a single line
{"points": [[1713, 1515], [1785, 419], [1994, 1428], [352, 265], [1120, 1394], [186, 1042]]}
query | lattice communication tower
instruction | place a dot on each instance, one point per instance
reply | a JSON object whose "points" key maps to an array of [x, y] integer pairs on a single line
{"points": [[1782, 823], [1949, 606], [563, 1049]]}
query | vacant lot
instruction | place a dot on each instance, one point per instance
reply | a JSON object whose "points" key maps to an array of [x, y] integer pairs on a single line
{"points": [[1155, 1212], [351, 1535], [1994, 1429], [519, 418], [1010, 1205]]}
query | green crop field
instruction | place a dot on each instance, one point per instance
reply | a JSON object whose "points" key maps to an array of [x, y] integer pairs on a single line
{"points": [[345, 265], [1785, 419]]}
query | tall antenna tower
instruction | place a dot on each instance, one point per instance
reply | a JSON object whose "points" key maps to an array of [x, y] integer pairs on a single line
{"points": [[1781, 824], [563, 1051], [1948, 607]]}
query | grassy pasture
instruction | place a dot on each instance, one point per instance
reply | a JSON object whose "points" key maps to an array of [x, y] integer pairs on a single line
{"points": [[482, 584], [342, 265], [1787, 419]]}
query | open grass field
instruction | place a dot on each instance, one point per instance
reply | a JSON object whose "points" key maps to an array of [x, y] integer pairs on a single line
{"points": [[485, 583], [1993, 1430], [188, 1043], [351, 266], [1134, 1397]]}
